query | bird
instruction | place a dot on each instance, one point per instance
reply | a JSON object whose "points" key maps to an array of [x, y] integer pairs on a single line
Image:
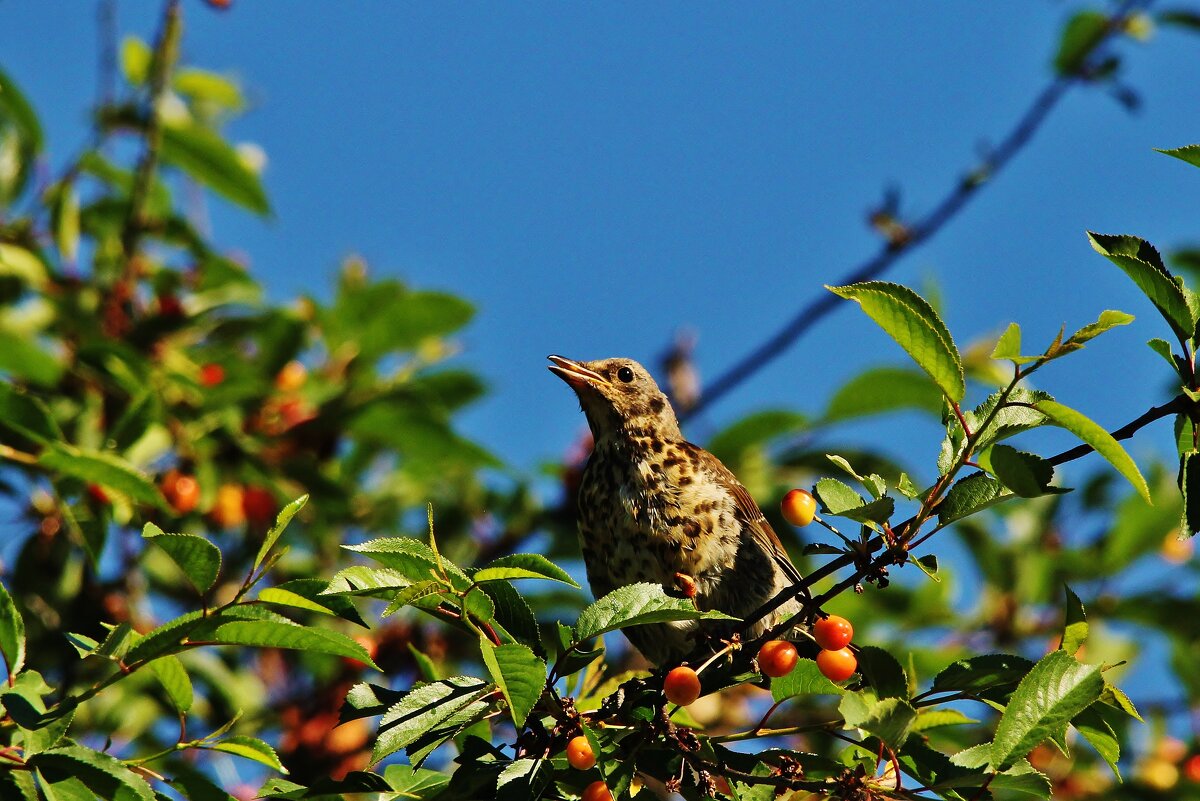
{"points": [[653, 507]]}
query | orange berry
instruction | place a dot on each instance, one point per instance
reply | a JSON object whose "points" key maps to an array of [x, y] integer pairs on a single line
{"points": [[777, 658], [799, 507], [833, 633], [181, 491], [580, 754], [837, 665], [291, 377], [597, 791], [229, 510], [211, 374], [682, 686]]}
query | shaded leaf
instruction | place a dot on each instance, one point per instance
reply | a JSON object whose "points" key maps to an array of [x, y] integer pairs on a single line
{"points": [[105, 469], [102, 774], [1026, 474], [982, 672], [1142, 263], [206, 157], [198, 558], [1075, 627], [12, 633], [883, 673]]}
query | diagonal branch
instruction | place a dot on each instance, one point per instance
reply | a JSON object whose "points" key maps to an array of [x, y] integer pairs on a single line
{"points": [[917, 234]]}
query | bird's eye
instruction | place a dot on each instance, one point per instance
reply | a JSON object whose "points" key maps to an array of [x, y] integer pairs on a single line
{"points": [[625, 374]]}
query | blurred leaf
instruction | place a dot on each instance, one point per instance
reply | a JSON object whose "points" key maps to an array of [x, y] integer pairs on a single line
{"points": [[24, 265], [198, 558], [1181, 17], [12, 634], [1141, 262], [102, 774], [890, 719], [105, 469], [135, 60], [386, 316], [1055, 690], [272, 634], [1103, 442], [206, 86], [636, 605], [1189, 153], [206, 157], [519, 674], [915, 326], [523, 566], [281, 522], [753, 430], [174, 680], [805, 679], [1081, 36], [1075, 626], [982, 673], [21, 357], [27, 415]]}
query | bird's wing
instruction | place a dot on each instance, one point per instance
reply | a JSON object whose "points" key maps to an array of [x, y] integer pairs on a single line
{"points": [[750, 514]]}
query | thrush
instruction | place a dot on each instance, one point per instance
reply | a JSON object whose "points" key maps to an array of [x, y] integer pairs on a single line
{"points": [[653, 507]]}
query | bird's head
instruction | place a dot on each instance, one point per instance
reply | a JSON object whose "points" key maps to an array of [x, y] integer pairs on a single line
{"points": [[619, 397]]}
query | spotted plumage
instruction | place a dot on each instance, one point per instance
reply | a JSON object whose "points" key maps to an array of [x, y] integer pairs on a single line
{"points": [[654, 507]]}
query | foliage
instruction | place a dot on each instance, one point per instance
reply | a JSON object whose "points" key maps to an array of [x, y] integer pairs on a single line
{"points": [[217, 494]]}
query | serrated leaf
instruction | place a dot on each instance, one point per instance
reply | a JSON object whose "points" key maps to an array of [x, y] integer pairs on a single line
{"points": [[970, 495], [1142, 263], [1055, 690], [982, 673], [881, 390], [915, 326], [523, 566], [250, 748], [1008, 346], [103, 775], [413, 593], [928, 565], [12, 633], [936, 718], [198, 558], [1103, 442], [281, 522], [1026, 474], [423, 710], [272, 634], [519, 673], [210, 160], [884, 674], [805, 679], [890, 719], [1075, 626], [1163, 348], [173, 677], [413, 782], [636, 605], [281, 597], [1188, 153], [408, 555], [513, 615], [105, 469], [1109, 319], [381, 582]]}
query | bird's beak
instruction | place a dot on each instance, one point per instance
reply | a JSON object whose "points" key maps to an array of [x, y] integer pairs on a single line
{"points": [[574, 373]]}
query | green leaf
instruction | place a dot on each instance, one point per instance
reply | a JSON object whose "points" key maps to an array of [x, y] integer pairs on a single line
{"points": [[413, 782], [426, 709], [105, 469], [174, 680], [313, 589], [1097, 731], [411, 557], [281, 522], [1163, 348], [412, 593], [890, 719], [22, 357], [881, 390], [927, 564], [523, 566], [273, 634], [970, 495], [206, 157], [1008, 346], [282, 597], [1023, 778], [635, 605], [198, 558], [1075, 627], [1026, 474], [936, 718], [1188, 153], [1142, 263], [17, 108], [883, 673], [753, 430], [982, 672], [103, 775], [805, 679], [208, 87], [512, 614], [839, 499], [1189, 485], [911, 321], [12, 633], [250, 748], [1082, 34], [1109, 319], [1055, 690], [1103, 442], [519, 674]]}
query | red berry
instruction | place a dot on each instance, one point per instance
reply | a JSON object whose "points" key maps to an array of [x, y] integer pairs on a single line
{"points": [[580, 754], [799, 507], [837, 665], [777, 658], [682, 686], [1191, 768], [169, 306], [212, 374], [181, 491], [98, 494], [833, 633], [259, 506], [597, 791]]}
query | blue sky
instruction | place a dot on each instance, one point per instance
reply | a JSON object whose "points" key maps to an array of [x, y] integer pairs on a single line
{"points": [[594, 176]]}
